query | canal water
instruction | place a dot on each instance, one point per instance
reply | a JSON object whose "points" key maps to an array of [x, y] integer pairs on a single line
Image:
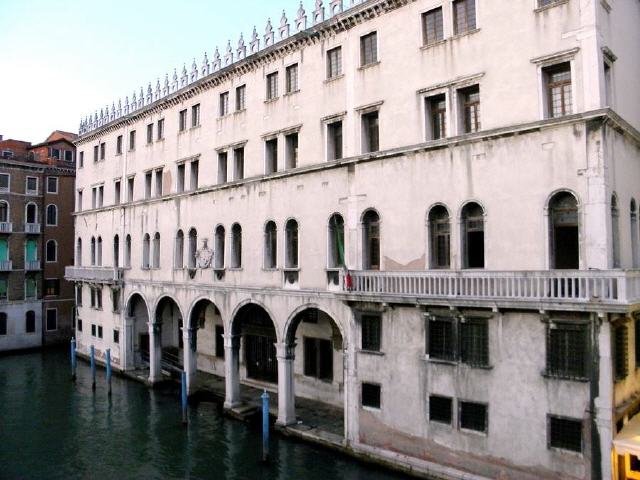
{"points": [[52, 428]]}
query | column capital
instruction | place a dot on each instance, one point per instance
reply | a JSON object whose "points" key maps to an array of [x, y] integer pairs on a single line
{"points": [[286, 351], [231, 341], [155, 328]]}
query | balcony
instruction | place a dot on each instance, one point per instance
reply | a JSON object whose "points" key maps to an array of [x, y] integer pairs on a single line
{"points": [[6, 227], [588, 290], [6, 265], [106, 275], [32, 228], [31, 265]]}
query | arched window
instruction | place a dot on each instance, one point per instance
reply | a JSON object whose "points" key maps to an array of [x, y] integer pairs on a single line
{"points": [[93, 251], [219, 247], [615, 231], [116, 251], [236, 246], [79, 252], [179, 255], [146, 247], [156, 250], [30, 321], [4, 212], [473, 236], [634, 233], [291, 244], [439, 237], [52, 215], [371, 241], [127, 252], [336, 242], [52, 251], [564, 231], [193, 248], [99, 251], [270, 245], [32, 213]]}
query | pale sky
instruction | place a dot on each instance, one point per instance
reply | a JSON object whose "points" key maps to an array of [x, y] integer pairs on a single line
{"points": [[60, 60]]}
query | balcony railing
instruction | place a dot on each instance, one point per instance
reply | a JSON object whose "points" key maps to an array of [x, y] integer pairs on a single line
{"points": [[31, 265], [6, 265], [94, 274], [568, 286], [6, 227], [32, 228]]}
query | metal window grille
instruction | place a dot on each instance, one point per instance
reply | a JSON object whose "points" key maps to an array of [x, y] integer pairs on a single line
{"points": [[559, 90], [464, 16], [567, 350], [371, 394], [621, 352], [565, 433], [334, 62], [433, 26], [441, 339], [292, 78], [473, 416], [440, 409], [272, 86], [474, 342], [371, 332], [369, 48]]}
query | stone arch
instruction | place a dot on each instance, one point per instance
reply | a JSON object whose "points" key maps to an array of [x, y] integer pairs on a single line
{"points": [[294, 320], [230, 325], [160, 299], [136, 335]]}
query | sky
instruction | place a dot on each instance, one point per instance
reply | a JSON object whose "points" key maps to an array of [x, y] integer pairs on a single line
{"points": [[60, 60]]}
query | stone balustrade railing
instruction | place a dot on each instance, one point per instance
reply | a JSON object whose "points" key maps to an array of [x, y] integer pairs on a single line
{"points": [[94, 274]]}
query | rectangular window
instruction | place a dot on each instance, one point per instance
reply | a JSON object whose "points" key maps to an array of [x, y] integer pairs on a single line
{"points": [[567, 350], [99, 298], [371, 394], [241, 98], [544, 3], [219, 341], [103, 150], [68, 156], [160, 129], [473, 416], [371, 327], [100, 196], [79, 201], [292, 78], [621, 352], [318, 358], [224, 104], [334, 63], [195, 116], [31, 287], [432, 26], [180, 178], [52, 319], [55, 153], [150, 134], [116, 337], [158, 174], [222, 167], [93, 330], [32, 185], [369, 49], [334, 141], [474, 342], [291, 150], [119, 145], [436, 109], [116, 192], [271, 156], [130, 188], [464, 16], [79, 295], [470, 98], [52, 287], [132, 140], [272, 86], [194, 175], [4, 182], [238, 163], [30, 326], [99, 331], [558, 90], [81, 159], [52, 184], [440, 409], [79, 325], [115, 300], [3, 324], [441, 344], [183, 120], [3, 288], [96, 151], [147, 184], [370, 133], [565, 433]]}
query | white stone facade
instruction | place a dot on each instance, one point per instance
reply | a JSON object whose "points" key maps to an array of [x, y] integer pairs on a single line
{"points": [[500, 177]]}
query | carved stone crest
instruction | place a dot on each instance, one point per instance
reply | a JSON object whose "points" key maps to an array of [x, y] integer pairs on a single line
{"points": [[204, 256]]}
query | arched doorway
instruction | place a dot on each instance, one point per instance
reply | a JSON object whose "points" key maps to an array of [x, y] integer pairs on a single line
{"points": [[166, 342], [204, 342], [136, 333]]}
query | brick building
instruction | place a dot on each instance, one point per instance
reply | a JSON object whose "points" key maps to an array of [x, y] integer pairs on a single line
{"points": [[36, 241]]}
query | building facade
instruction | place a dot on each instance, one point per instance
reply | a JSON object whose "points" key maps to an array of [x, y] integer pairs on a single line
{"points": [[423, 213], [37, 184]]}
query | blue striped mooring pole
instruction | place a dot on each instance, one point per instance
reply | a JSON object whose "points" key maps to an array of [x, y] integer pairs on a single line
{"points": [[183, 387], [93, 366], [265, 426], [109, 369], [73, 359]]}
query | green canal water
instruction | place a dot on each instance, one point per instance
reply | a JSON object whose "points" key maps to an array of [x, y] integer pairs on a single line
{"points": [[53, 428]]}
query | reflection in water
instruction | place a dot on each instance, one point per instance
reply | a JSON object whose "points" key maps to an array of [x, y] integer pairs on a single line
{"points": [[52, 428]]}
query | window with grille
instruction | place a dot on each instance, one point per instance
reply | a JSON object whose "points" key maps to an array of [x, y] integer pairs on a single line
{"points": [[371, 394], [464, 16], [132, 140], [150, 134], [567, 350], [292, 78], [474, 342], [473, 416], [224, 104], [370, 132], [219, 341], [241, 98], [441, 343], [436, 109], [369, 49], [621, 337], [272, 86], [440, 409], [558, 90], [471, 108], [432, 26], [565, 433], [182, 119], [318, 358], [334, 63], [371, 326]]}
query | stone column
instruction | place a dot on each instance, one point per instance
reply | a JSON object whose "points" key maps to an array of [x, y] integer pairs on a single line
{"points": [[155, 352], [190, 359], [351, 396], [286, 394], [231, 371], [128, 361]]}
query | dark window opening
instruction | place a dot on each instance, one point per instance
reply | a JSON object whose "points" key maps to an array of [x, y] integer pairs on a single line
{"points": [[436, 117], [371, 326], [371, 244], [334, 143], [271, 156], [565, 434], [440, 227], [474, 342], [473, 236], [318, 358], [564, 232], [371, 395], [30, 320], [441, 343], [621, 351], [567, 350], [473, 416], [370, 132], [440, 409]]}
